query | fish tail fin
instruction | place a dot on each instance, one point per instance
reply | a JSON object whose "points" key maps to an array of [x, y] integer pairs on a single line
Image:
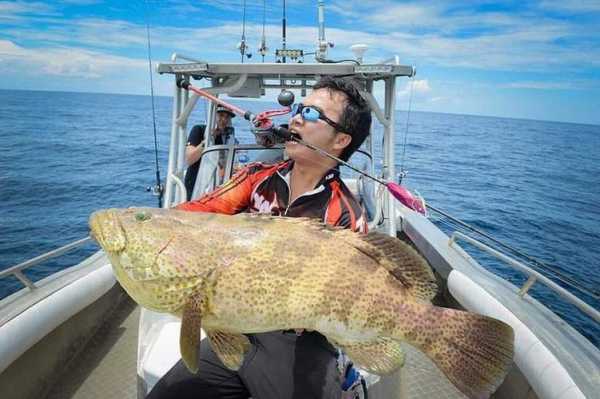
{"points": [[474, 351]]}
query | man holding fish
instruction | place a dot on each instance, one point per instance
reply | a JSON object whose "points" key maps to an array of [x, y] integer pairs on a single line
{"points": [[254, 282], [335, 118]]}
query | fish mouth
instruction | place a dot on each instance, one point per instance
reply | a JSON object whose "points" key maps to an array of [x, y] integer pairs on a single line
{"points": [[107, 231]]}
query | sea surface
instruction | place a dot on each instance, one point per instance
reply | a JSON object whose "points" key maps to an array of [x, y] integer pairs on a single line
{"points": [[531, 184]]}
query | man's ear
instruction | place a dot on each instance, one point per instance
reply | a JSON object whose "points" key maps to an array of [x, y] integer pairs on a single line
{"points": [[342, 140]]}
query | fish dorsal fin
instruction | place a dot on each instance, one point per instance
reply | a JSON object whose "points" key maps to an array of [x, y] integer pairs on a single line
{"points": [[401, 260], [307, 222], [380, 357], [230, 348]]}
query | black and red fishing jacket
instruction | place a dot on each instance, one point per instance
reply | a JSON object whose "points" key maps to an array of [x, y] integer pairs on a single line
{"points": [[261, 188]]}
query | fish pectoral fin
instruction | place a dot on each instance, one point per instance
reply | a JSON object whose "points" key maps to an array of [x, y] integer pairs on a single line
{"points": [[380, 357], [230, 348], [189, 336]]}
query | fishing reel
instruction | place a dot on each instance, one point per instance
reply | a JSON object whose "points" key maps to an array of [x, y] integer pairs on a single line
{"points": [[265, 131], [244, 50], [156, 189], [267, 134]]}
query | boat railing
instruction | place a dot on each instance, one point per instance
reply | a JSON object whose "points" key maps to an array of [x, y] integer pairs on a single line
{"points": [[533, 275], [17, 270]]}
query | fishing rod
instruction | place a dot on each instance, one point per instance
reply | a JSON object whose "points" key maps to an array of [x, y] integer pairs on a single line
{"points": [[158, 188], [263, 43], [397, 191], [271, 134], [243, 47], [262, 122], [418, 204]]}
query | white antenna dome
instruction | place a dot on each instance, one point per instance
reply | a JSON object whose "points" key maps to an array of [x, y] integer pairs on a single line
{"points": [[359, 50]]}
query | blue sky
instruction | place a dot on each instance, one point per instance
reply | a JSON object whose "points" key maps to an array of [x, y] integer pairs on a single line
{"points": [[520, 59]]}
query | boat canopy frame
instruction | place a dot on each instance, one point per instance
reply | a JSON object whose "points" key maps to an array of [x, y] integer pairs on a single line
{"points": [[251, 81]]}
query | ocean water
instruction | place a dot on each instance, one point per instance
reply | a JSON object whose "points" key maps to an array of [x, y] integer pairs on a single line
{"points": [[531, 184]]}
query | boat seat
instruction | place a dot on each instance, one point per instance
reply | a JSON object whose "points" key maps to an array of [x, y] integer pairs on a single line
{"points": [[163, 354]]}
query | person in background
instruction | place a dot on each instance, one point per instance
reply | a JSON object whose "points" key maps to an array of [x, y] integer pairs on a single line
{"points": [[286, 364], [223, 133]]}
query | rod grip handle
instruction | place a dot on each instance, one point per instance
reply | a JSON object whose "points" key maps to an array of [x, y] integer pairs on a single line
{"points": [[182, 83]]}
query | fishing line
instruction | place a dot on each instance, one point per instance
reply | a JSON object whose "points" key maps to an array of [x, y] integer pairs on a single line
{"points": [[158, 188], [402, 171], [532, 261], [396, 190], [399, 193]]}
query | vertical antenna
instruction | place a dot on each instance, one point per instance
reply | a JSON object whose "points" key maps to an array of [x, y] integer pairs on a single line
{"points": [[263, 43], [243, 42], [322, 43], [283, 30], [321, 21]]}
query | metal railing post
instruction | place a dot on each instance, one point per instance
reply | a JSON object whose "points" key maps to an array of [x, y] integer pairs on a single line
{"points": [[533, 275], [17, 270]]}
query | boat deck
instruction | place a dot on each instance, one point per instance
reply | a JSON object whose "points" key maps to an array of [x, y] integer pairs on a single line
{"points": [[423, 379], [107, 367]]}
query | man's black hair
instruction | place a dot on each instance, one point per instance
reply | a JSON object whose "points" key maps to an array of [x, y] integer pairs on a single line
{"points": [[356, 116]]}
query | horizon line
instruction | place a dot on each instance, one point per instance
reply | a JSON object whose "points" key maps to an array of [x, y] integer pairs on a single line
{"points": [[258, 100]]}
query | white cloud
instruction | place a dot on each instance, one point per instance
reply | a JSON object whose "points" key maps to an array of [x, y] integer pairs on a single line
{"points": [[421, 33], [508, 42], [538, 85], [21, 13], [422, 93], [424, 16], [81, 2], [448, 34], [418, 88], [402, 15], [575, 6], [9, 48], [69, 62], [21, 7], [552, 85], [414, 93]]}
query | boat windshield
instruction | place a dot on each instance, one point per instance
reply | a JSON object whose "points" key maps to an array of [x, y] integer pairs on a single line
{"points": [[220, 162]]}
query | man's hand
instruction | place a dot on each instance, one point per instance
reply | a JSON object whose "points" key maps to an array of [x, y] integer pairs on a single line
{"points": [[193, 153], [299, 331]]}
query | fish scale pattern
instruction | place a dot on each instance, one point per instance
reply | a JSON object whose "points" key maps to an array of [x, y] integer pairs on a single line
{"points": [[250, 273]]}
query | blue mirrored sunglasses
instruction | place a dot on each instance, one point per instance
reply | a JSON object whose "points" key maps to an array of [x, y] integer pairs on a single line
{"points": [[313, 113]]}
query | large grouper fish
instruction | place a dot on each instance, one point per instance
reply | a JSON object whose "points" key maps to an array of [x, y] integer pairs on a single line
{"points": [[249, 273]]}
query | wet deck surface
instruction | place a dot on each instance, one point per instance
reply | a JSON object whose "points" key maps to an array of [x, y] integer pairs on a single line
{"points": [[424, 380], [107, 367]]}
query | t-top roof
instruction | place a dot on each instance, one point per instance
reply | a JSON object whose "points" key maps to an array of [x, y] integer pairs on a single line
{"points": [[287, 71]]}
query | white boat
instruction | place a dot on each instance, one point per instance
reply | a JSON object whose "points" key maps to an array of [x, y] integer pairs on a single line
{"points": [[77, 334]]}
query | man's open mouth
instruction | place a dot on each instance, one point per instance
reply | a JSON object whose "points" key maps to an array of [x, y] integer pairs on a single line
{"points": [[294, 136]]}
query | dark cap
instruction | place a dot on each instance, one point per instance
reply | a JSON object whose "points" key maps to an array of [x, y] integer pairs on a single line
{"points": [[221, 108]]}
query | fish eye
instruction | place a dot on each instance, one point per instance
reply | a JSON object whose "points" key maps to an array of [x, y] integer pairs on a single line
{"points": [[141, 216]]}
